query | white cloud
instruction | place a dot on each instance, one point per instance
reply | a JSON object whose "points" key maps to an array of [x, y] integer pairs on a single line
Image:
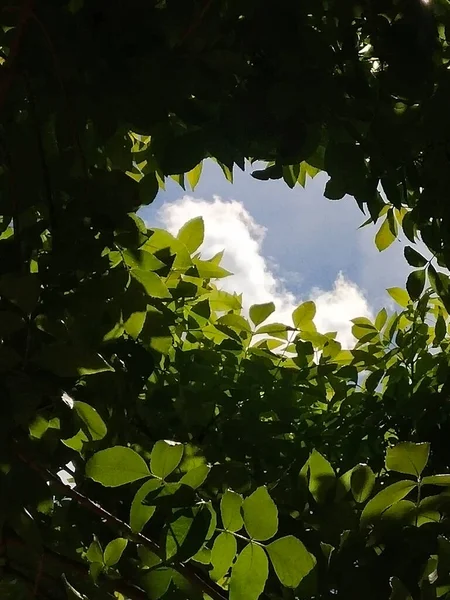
{"points": [[230, 227]]}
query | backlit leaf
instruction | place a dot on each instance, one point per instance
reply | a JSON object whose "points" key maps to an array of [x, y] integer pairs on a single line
{"points": [[260, 515], [260, 312], [408, 458], [165, 458], [230, 510], [399, 295], [93, 422], [151, 282], [290, 560], [116, 466], [114, 551], [249, 574], [222, 554], [192, 234], [384, 499]]}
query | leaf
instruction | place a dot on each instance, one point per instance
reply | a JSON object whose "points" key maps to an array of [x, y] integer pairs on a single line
{"points": [[187, 533], [195, 477], [194, 175], [415, 284], [304, 314], [94, 553], [222, 554], [362, 481], [277, 330], [400, 296], [260, 515], [192, 234], [148, 188], [151, 282], [230, 511], [116, 466], [157, 582], [322, 477], [260, 312], [140, 513], [441, 480], [113, 551], [95, 426], [165, 458], [209, 270], [440, 330], [387, 232], [381, 319], [249, 574], [291, 560], [384, 499], [408, 458], [414, 258]]}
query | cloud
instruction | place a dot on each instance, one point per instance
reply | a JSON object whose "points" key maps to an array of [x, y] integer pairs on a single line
{"points": [[230, 227]]}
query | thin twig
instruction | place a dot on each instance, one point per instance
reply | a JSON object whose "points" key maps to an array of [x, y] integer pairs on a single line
{"points": [[186, 570]]}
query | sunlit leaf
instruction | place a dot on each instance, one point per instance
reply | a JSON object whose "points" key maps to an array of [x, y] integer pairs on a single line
{"points": [[116, 466], [290, 560], [249, 574], [260, 515]]}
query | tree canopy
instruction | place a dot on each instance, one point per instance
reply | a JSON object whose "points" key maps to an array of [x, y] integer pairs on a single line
{"points": [[155, 441]]}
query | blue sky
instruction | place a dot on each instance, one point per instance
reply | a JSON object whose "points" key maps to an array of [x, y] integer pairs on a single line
{"points": [[295, 243]]}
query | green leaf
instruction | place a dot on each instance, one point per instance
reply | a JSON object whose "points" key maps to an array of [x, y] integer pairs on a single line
{"points": [[148, 188], [414, 258], [94, 553], [230, 511], [362, 481], [209, 270], [116, 466], [194, 175], [291, 560], [151, 282], [113, 551], [192, 234], [277, 330], [384, 499], [222, 554], [260, 312], [440, 330], [415, 284], [322, 477], [187, 533], [165, 457], [387, 232], [304, 314], [93, 422], [140, 513], [400, 296], [157, 582], [260, 515], [195, 477], [249, 574], [408, 458], [381, 319], [442, 480]]}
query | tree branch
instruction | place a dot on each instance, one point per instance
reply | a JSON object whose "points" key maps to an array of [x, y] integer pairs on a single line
{"points": [[194, 576]]}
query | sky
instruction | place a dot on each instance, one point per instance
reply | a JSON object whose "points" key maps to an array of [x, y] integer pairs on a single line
{"points": [[287, 246]]}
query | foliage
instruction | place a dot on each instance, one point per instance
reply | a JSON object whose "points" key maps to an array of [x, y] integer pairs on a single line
{"points": [[154, 441], [200, 443]]}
